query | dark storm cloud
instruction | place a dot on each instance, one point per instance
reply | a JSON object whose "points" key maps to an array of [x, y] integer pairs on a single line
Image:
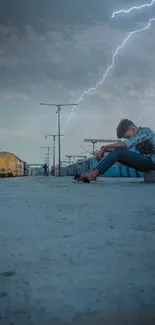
{"points": [[58, 40], [34, 12]]}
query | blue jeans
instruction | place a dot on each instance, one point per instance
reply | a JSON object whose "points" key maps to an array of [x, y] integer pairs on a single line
{"points": [[128, 158]]}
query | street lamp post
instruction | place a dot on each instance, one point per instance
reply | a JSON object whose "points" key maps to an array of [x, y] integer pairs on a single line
{"points": [[59, 142], [54, 136], [54, 146], [59, 129]]}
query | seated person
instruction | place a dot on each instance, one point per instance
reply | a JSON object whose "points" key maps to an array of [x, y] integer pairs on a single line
{"points": [[140, 138]]}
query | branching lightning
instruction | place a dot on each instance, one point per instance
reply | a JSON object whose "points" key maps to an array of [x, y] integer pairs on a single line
{"points": [[86, 92], [122, 11]]}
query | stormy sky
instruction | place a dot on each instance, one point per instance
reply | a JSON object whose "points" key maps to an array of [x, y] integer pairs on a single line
{"points": [[53, 50]]}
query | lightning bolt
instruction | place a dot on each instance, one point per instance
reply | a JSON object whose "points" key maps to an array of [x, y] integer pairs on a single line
{"points": [[86, 92], [122, 11]]}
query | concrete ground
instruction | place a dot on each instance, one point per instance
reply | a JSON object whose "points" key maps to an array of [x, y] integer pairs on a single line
{"points": [[76, 253]]}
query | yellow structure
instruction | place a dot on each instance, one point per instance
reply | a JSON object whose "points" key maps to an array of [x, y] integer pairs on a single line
{"points": [[10, 165]]}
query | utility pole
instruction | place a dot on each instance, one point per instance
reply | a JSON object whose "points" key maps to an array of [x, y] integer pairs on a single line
{"points": [[93, 143], [59, 126], [48, 156], [69, 159], [54, 147]]}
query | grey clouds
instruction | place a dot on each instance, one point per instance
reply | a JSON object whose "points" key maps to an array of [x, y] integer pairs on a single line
{"points": [[52, 51]]}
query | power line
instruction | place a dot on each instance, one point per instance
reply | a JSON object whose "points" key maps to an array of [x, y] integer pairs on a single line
{"points": [[94, 141], [74, 156]]}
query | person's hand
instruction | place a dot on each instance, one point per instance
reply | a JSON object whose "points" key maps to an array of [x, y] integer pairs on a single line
{"points": [[100, 154]]}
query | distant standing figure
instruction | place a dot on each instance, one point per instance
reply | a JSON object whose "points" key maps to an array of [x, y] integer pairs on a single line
{"points": [[52, 171], [45, 167]]}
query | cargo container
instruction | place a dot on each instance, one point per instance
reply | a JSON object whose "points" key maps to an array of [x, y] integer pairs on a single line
{"points": [[10, 165]]}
